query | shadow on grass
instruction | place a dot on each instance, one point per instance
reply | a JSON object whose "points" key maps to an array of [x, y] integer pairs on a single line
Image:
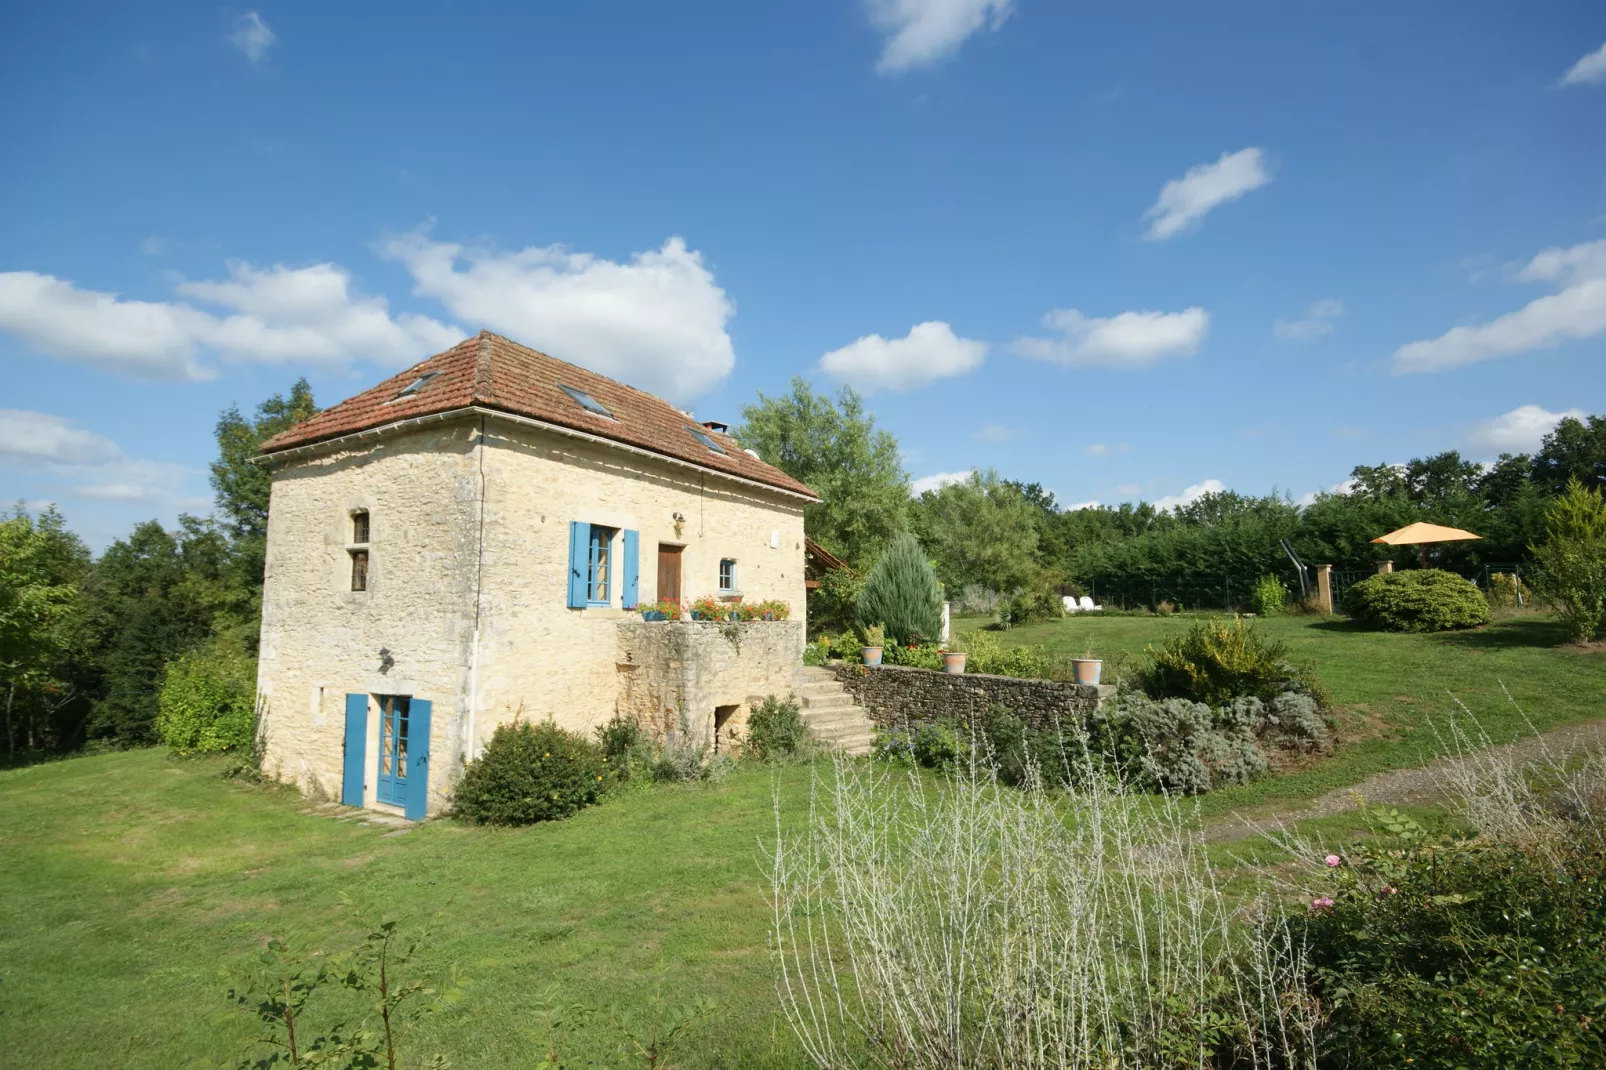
{"points": [[1340, 624], [1529, 631]]}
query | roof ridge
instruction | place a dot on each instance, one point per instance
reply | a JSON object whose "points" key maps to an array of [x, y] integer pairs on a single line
{"points": [[484, 387]]}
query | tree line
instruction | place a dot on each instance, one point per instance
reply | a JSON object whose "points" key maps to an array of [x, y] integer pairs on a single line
{"points": [[1005, 536]]}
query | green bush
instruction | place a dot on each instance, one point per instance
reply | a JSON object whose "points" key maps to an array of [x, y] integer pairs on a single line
{"points": [[207, 703], [1039, 603], [920, 656], [902, 594], [1572, 561], [986, 653], [1269, 597], [1219, 660], [834, 605], [1187, 748], [529, 773], [1418, 600], [1473, 954], [775, 730]]}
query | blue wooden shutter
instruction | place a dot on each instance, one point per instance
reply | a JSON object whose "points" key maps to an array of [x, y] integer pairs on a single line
{"points": [[579, 563], [632, 572], [417, 759], [356, 746]]}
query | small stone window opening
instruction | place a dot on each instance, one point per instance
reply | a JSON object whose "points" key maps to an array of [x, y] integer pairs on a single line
{"points": [[359, 527], [722, 716], [727, 575], [359, 570]]}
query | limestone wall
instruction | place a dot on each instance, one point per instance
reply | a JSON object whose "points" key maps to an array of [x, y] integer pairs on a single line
{"points": [[667, 668], [320, 639], [564, 663], [468, 588], [894, 695]]}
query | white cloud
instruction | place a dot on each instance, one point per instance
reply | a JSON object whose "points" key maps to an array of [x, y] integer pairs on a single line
{"points": [[998, 433], [279, 315], [78, 463], [1077, 506], [1587, 71], [656, 322], [1317, 322], [32, 438], [1577, 311], [920, 32], [937, 481], [1128, 340], [1184, 201], [930, 351], [1518, 431], [252, 37], [153, 245], [1190, 495], [1106, 449]]}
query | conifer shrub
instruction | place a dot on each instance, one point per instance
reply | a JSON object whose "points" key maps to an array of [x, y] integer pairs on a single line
{"points": [[207, 702], [1418, 600], [1572, 561], [902, 593], [1219, 660], [529, 773]]}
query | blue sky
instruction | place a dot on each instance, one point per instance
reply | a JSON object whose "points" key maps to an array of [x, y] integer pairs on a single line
{"points": [[1126, 253]]}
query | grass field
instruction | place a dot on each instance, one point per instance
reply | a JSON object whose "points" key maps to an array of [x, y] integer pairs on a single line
{"points": [[134, 882], [1388, 689]]}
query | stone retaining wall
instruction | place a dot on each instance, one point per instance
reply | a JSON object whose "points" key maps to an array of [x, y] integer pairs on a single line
{"points": [[894, 694]]}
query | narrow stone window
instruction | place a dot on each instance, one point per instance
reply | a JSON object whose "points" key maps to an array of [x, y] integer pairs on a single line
{"points": [[359, 527], [359, 570], [727, 575]]}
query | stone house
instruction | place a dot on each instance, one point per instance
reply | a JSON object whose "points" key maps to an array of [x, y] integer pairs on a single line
{"points": [[463, 544]]}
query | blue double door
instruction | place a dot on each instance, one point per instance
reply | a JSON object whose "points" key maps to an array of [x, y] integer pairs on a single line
{"points": [[401, 768]]}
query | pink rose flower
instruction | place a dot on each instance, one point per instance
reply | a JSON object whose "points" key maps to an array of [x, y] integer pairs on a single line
{"points": [[1333, 860], [1321, 903]]}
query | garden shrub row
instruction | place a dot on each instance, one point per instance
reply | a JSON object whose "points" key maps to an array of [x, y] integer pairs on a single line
{"points": [[1417, 600]]}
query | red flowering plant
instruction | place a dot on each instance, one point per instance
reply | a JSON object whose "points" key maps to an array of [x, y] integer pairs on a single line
{"points": [[710, 608], [663, 609]]}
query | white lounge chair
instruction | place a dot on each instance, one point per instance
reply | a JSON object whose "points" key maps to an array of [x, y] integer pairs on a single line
{"points": [[1087, 605], [1069, 602]]}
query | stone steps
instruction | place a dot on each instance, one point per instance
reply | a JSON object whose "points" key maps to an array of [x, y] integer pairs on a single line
{"points": [[830, 713]]}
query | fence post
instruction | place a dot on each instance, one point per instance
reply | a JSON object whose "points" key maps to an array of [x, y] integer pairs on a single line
{"points": [[1324, 588], [1385, 567]]}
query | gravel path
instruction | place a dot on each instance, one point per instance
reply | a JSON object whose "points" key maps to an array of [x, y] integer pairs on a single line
{"points": [[1408, 786]]}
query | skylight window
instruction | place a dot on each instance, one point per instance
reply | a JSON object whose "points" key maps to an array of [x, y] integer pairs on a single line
{"points": [[586, 401], [417, 384], [702, 436]]}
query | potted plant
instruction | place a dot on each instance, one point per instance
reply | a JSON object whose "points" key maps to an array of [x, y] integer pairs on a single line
{"points": [[663, 609], [1087, 669], [875, 636], [953, 657]]}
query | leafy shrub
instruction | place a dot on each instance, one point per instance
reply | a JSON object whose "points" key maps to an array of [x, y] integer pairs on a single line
{"points": [[1164, 608], [1188, 748], [775, 730], [207, 702], [1219, 660], [919, 656], [1506, 591], [987, 654], [1477, 953], [976, 601], [1269, 597], [902, 594], [618, 737], [1031, 607], [1295, 721], [531, 772], [834, 605], [935, 745], [1572, 560], [1418, 600], [816, 653]]}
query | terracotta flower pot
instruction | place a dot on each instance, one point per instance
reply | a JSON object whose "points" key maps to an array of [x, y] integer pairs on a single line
{"points": [[870, 654], [953, 661], [1088, 670]]}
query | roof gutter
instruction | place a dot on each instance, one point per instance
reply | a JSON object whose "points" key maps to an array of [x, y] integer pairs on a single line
{"points": [[479, 410]]}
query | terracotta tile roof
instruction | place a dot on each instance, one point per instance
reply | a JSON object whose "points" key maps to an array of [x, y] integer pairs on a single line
{"points": [[492, 372]]}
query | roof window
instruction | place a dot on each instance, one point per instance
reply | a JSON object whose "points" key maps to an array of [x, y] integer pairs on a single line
{"points": [[586, 401], [703, 436], [416, 385]]}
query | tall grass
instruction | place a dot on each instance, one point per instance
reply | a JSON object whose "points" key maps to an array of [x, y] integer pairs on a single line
{"points": [[969, 924]]}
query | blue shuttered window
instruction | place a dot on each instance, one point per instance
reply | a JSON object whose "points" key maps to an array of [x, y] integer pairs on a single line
{"points": [[579, 549], [632, 570]]}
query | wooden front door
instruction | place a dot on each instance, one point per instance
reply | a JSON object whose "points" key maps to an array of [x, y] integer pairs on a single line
{"points": [[669, 573]]}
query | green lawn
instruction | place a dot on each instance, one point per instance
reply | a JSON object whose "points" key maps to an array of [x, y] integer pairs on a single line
{"points": [[1388, 689], [131, 881]]}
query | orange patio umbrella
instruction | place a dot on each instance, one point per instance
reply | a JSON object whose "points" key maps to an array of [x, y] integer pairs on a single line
{"points": [[1420, 534]]}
